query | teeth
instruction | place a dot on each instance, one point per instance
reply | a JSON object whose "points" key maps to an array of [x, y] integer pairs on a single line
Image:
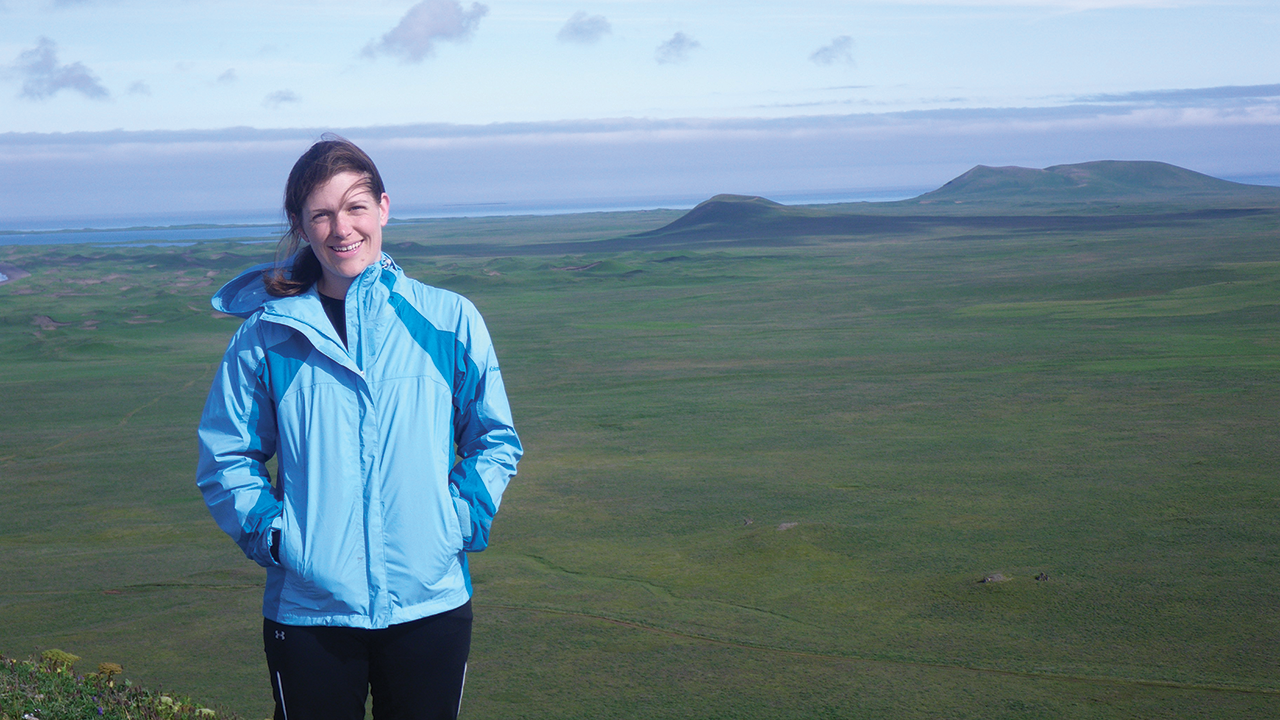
{"points": [[347, 248]]}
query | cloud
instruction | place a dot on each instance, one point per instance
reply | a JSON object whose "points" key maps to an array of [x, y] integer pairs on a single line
{"points": [[1189, 95], [139, 88], [676, 49], [584, 28], [227, 77], [426, 23], [839, 51], [280, 97], [42, 76]]}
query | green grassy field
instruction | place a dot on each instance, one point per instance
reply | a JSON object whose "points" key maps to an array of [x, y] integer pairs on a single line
{"points": [[760, 481]]}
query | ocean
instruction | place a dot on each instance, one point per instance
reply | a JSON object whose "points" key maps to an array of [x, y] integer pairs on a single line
{"points": [[176, 235], [267, 226]]}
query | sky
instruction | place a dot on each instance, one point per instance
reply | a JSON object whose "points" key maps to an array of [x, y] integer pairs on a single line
{"points": [[190, 109]]}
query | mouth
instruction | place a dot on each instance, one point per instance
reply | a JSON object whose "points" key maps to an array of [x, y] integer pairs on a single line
{"points": [[343, 249]]}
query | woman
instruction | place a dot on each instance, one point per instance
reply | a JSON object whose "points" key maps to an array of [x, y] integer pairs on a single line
{"points": [[382, 400]]}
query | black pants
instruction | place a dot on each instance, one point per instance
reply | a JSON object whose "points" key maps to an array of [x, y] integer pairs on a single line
{"points": [[416, 669]]}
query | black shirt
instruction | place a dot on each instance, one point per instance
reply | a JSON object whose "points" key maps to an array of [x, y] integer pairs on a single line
{"points": [[336, 309]]}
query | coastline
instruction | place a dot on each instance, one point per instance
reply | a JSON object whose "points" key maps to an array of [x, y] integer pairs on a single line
{"points": [[236, 225]]}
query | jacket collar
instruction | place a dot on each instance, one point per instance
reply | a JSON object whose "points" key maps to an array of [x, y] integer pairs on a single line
{"points": [[246, 295]]}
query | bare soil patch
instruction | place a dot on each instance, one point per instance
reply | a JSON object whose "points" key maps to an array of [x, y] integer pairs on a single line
{"points": [[11, 273]]}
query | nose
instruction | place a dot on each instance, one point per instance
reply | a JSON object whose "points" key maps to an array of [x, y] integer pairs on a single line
{"points": [[341, 225]]}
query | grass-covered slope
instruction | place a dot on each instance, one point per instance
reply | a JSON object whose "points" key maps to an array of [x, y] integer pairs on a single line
{"points": [[760, 482]]}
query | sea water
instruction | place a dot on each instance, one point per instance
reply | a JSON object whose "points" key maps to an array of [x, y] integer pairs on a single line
{"points": [[144, 235], [264, 226]]}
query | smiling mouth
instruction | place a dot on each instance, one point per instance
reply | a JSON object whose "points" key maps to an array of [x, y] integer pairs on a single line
{"points": [[348, 248]]}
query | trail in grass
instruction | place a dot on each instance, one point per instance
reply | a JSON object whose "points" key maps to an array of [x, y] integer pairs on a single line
{"points": [[664, 593]]}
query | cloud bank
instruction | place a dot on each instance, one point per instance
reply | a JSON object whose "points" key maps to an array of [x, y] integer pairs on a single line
{"points": [[427, 23], [76, 179], [42, 76], [1189, 95]]}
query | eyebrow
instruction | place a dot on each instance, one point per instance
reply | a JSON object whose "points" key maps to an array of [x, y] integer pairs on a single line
{"points": [[351, 197]]}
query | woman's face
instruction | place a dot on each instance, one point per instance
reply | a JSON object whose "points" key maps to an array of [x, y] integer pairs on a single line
{"points": [[342, 221]]}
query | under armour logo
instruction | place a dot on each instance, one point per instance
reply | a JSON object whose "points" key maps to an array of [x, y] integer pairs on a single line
{"points": [[279, 634]]}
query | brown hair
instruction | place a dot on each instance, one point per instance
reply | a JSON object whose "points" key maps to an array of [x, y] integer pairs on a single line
{"points": [[330, 156]]}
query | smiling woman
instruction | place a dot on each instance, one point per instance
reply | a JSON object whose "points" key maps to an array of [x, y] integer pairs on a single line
{"points": [[334, 198], [383, 403]]}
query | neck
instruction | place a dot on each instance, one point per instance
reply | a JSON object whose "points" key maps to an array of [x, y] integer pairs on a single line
{"points": [[335, 288]]}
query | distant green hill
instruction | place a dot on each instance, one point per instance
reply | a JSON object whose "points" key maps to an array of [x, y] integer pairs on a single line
{"points": [[1094, 196], [1107, 181]]}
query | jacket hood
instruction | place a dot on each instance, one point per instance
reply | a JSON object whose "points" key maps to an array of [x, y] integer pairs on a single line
{"points": [[246, 294]]}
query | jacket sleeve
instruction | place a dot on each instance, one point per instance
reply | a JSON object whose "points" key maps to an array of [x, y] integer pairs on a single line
{"points": [[487, 445], [237, 436]]}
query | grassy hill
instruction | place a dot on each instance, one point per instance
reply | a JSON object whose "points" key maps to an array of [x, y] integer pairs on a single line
{"points": [[1089, 197], [1105, 182]]}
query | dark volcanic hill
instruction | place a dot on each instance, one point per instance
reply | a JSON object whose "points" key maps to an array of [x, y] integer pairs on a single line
{"points": [[1086, 197], [728, 209]]}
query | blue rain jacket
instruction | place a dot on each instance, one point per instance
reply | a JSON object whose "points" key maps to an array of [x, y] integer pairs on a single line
{"points": [[393, 452]]}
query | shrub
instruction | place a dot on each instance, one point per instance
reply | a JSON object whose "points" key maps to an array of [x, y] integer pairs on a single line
{"points": [[48, 689]]}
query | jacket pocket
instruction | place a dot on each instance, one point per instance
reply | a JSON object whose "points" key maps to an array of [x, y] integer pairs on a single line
{"points": [[463, 511], [275, 545]]}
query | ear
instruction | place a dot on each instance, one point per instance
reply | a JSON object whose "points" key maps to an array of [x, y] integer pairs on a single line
{"points": [[384, 209], [295, 226]]}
